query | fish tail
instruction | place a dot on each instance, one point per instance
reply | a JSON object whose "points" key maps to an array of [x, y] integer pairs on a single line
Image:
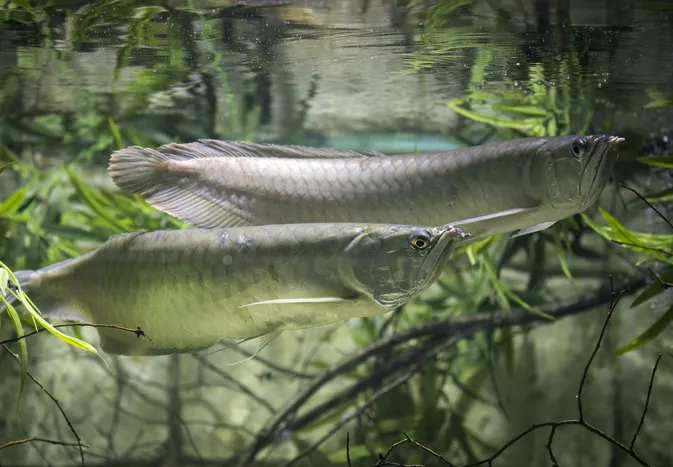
{"points": [[51, 304], [140, 170], [24, 278], [167, 180]]}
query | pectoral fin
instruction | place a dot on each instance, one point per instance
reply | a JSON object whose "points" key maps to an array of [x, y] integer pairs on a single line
{"points": [[295, 301], [496, 222], [532, 228], [264, 340]]}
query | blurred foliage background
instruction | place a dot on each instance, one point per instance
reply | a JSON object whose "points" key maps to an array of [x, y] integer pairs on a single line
{"points": [[79, 80]]}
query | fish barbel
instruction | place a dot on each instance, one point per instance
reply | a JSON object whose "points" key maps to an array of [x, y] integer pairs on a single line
{"points": [[520, 185], [188, 289]]}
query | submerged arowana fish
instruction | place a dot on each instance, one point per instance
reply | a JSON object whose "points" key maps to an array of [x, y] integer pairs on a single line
{"points": [[519, 185], [188, 289]]}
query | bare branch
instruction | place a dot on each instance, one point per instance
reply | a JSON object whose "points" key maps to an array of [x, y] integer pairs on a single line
{"points": [[138, 332], [647, 403], [40, 440], [611, 309], [580, 421], [65, 417], [648, 203]]}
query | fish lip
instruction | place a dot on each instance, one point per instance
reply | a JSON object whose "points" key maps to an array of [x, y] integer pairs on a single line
{"points": [[613, 143], [438, 256]]}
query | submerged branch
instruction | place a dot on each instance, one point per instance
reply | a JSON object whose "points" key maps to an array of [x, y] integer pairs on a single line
{"points": [[460, 327], [554, 426]]}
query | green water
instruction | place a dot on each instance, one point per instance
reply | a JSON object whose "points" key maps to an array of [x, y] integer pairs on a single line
{"points": [[79, 80]]}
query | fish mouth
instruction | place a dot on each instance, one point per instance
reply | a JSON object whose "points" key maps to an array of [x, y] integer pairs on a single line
{"points": [[436, 260], [598, 168]]}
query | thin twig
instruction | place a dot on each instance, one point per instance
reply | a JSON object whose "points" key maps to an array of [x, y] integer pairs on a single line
{"points": [[275, 367], [464, 326], [65, 417], [664, 284], [583, 380], [138, 332], [550, 440], [649, 248], [647, 403], [40, 440], [348, 449], [649, 204], [404, 378], [580, 421]]}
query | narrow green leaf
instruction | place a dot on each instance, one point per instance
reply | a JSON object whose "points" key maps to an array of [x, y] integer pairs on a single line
{"points": [[23, 348], [36, 315], [355, 452], [659, 161], [4, 281], [525, 125], [561, 254], [23, 3], [13, 203], [89, 198], [650, 333], [621, 232], [116, 135], [654, 288], [4, 166]]}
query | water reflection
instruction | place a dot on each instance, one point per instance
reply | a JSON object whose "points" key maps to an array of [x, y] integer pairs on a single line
{"points": [[81, 79], [287, 71]]}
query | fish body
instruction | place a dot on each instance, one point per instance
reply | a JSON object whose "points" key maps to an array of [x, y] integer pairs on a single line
{"points": [[499, 187], [188, 289]]}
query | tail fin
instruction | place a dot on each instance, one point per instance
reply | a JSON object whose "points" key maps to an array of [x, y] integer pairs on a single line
{"points": [[23, 277]]}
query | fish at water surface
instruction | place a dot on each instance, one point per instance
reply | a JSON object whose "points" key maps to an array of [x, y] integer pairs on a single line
{"points": [[519, 185], [188, 289]]}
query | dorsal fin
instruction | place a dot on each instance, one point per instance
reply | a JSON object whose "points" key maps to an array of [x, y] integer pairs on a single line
{"points": [[205, 148], [165, 180]]}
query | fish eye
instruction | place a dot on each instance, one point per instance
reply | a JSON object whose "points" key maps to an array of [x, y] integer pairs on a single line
{"points": [[420, 240], [579, 147]]}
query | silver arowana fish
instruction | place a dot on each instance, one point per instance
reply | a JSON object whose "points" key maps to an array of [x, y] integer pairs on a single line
{"points": [[520, 186], [188, 289]]}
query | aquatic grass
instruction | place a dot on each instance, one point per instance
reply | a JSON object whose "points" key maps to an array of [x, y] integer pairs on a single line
{"points": [[14, 289]]}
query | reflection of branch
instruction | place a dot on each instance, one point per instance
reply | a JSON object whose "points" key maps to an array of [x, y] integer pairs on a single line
{"points": [[138, 332], [65, 417], [463, 327], [580, 421]]}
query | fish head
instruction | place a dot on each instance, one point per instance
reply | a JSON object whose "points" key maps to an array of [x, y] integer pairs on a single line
{"points": [[573, 170], [393, 263]]}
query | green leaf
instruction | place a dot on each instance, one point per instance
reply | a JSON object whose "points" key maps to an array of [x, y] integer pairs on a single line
{"points": [[659, 161], [525, 125], [505, 293], [4, 166], [560, 253], [116, 135], [655, 288], [89, 198], [355, 452], [653, 331], [4, 281], [621, 232], [13, 203], [36, 315], [23, 348], [659, 196]]}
